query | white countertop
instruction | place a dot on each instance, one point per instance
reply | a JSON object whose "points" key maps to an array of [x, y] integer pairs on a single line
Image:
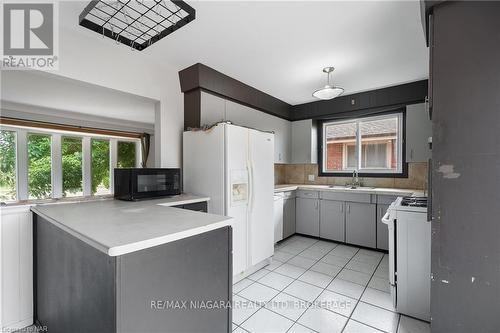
{"points": [[369, 190], [120, 227]]}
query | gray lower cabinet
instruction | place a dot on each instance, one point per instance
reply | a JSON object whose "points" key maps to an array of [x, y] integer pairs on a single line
{"points": [[307, 216], [360, 224], [332, 220], [288, 217], [197, 206], [80, 289], [382, 232]]}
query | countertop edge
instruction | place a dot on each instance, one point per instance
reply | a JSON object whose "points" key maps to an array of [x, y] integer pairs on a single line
{"points": [[142, 244], [184, 202], [379, 191], [146, 244]]}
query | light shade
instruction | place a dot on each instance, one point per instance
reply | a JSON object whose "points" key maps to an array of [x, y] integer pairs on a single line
{"points": [[328, 92]]}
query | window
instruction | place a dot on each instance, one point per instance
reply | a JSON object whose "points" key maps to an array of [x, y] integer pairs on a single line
{"points": [[72, 172], [100, 167], [39, 166], [371, 145], [7, 166], [126, 154], [40, 163]]}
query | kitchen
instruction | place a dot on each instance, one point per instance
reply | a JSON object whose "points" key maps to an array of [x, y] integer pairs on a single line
{"points": [[276, 203]]}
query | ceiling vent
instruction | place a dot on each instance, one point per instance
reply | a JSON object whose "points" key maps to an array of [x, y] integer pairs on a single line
{"points": [[136, 23]]}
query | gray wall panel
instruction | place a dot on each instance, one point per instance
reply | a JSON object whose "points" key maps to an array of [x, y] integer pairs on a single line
{"points": [[465, 290]]}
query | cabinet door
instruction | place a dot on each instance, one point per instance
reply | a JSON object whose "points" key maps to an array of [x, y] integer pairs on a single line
{"points": [[331, 220], [360, 224], [198, 206], [418, 130], [382, 232], [278, 219], [288, 217], [307, 216]]}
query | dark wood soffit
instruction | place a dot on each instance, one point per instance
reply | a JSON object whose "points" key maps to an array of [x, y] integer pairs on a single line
{"points": [[201, 77], [356, 104], [192, 109]]}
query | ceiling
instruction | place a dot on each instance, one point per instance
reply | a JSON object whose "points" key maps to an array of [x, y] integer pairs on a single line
{"points": [[281, 47]]}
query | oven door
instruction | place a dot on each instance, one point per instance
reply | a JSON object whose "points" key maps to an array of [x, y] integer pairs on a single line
{"points": [[390, 219], [149, 183]]}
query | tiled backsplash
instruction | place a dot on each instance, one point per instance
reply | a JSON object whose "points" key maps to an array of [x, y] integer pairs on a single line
{"points": [[299, 174]]}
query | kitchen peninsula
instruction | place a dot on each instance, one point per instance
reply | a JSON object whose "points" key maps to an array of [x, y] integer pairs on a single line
{"points": [[106, 266]]}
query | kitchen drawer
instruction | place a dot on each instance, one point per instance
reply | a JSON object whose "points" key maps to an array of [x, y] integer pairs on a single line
{"points": [[289, 194], [343, 196], [386, 199], [308, 194]]}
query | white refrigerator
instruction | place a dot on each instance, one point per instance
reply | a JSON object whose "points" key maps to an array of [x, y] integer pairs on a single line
{"points": [[234, 166]]}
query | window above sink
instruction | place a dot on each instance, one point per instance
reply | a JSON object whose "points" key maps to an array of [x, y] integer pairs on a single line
{"points": [[372, 146]]}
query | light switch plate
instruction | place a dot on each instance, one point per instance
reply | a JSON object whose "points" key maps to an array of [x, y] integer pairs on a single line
{"points": [[311, 178]]}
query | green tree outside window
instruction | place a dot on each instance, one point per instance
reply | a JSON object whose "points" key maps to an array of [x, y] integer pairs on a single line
{"points": [[39, 166], [7, 166], [71, 151], [126, 154]]}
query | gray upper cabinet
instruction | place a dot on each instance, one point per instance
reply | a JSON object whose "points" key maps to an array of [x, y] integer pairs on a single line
{"points": [[304, 142], [332, 220], [382, 231], [360, 224], [289, 216], [307, 216], [418, 130]]}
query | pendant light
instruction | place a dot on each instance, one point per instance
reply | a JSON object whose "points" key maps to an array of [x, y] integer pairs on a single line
{"points": [[328, 91]]}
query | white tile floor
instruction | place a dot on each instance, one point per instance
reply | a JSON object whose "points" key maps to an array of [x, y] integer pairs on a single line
{"points": [[319, 286]]}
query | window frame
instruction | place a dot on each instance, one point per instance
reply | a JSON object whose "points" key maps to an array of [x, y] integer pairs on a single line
{"points": [[22, 133], [402, 172]]}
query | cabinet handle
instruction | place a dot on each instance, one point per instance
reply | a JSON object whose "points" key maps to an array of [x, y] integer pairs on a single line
{"points": [[349, 208]]}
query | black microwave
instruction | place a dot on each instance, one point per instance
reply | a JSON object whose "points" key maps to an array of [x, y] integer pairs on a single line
{"points": [[136, 183]]}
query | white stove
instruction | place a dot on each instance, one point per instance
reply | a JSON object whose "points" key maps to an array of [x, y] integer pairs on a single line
{"points": [[409, 256]]}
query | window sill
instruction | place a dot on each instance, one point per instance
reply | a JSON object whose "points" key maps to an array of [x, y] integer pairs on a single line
{"points": [[57, 200]]}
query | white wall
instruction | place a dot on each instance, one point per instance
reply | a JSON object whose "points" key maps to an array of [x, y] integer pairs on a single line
{"points": [[87, 57], [215, 109]]}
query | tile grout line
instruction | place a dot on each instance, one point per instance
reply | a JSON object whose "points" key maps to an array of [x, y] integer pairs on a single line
{"points": [[297, 279], [326, 289], [362, 295], [263, 307], [359, 301], [342, 268], [316, 261]]}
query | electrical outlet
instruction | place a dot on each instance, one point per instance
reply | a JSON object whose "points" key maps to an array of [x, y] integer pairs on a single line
{"points": [[311, 178]]}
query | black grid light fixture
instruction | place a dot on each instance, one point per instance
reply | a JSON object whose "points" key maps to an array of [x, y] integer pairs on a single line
{"points": [[136, 23]]}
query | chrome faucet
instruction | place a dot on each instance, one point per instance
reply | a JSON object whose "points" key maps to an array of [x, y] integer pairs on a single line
{"points": [[355, 179]]}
